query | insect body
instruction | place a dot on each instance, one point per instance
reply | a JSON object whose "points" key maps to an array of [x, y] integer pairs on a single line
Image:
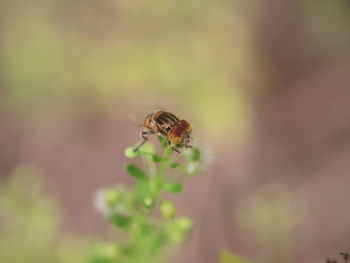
{"points": [[166, 124]]}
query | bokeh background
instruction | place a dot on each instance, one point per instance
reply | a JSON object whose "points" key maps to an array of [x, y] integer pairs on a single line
{"points": [[266, 85]]}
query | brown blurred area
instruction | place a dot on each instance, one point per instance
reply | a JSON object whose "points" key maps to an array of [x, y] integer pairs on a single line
{"points": [[296, 148]]}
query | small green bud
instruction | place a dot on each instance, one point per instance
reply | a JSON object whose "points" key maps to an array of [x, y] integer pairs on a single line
{"points": [[111, 251], [184, 223], [130, 153], [148, 202], [113, 196], [167, 209], [106, 252]]}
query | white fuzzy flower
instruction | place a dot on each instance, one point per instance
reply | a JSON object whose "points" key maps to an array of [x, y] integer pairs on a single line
{"points": [[99, 201]]}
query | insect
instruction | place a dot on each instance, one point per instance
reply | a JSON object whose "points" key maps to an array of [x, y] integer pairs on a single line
{"points": [[176, 131]]}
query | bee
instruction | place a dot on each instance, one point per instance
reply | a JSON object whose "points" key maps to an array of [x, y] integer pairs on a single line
{"points": [[165, 124]]}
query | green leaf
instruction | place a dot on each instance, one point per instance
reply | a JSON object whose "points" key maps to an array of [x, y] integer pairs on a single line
{"points": [[136, 172], [156, 158], [174, 165], [196, 154], [173, 187], [120, 220]]}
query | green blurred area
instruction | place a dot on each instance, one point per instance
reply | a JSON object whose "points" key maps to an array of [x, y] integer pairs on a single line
{"points": [[228, 257], [194, 57], [70, 60], [63, 61], [191, 55], [30, 224], [271, 216]]}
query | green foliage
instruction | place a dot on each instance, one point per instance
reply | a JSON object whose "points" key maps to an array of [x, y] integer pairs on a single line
{"points": [[145, 236], [228, 257], [173, 187], [136, 172]]}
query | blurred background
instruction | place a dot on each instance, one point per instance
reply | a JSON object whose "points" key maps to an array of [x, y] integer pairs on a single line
{"points": [[266, 85]]}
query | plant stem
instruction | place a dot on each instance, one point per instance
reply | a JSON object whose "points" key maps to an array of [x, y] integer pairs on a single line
{"points": [[162, 167]]}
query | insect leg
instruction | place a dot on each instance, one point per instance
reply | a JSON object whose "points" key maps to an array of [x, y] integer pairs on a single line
{"points": [[188, 146], [175, 149], [144, 138]]}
